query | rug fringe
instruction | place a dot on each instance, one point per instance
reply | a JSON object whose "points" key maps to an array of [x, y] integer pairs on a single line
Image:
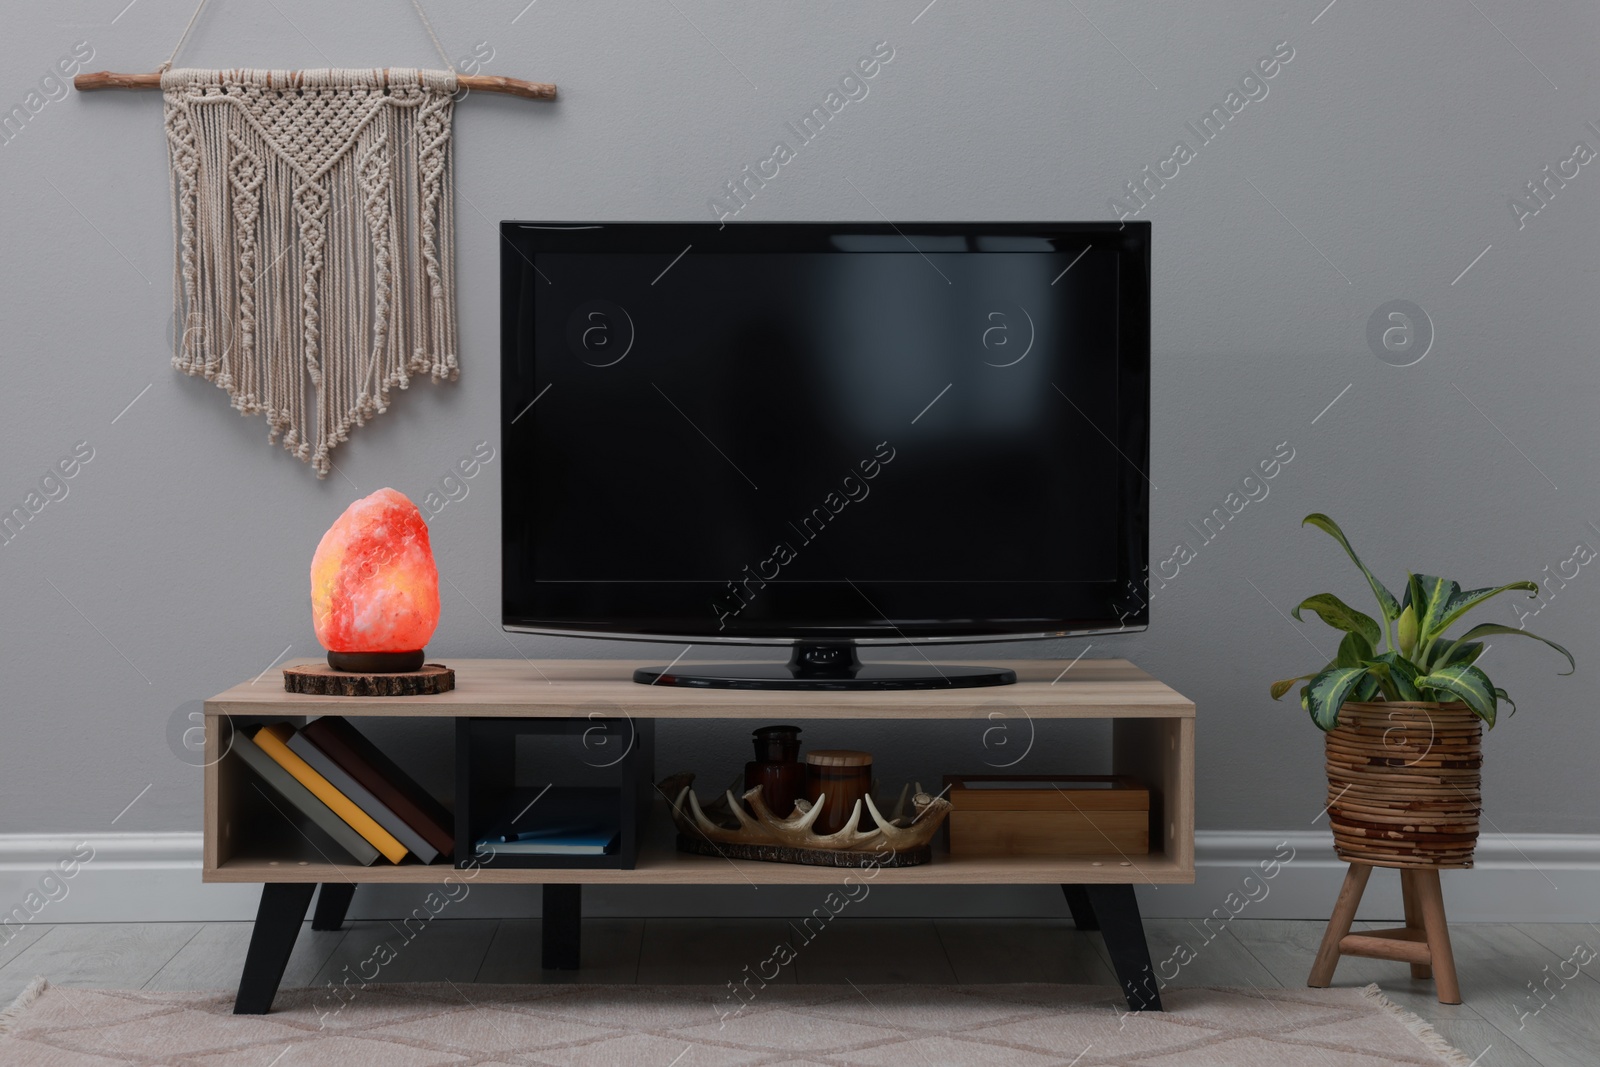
{"points": [[1420, 1028], [24, 1001]]}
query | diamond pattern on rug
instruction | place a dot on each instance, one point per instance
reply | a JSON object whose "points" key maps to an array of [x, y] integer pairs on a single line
{"points": [[338, 1051], [1259, 1050], [648, 1049], [781, 1030], [487, 1028], [702, 1026], [909, 1008], [1112, 1035]]}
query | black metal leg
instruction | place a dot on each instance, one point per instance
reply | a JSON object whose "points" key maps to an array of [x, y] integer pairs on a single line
{"points": [[278, 919], [332, 903], [563, 914], [1118, 911], [1078, 904]]}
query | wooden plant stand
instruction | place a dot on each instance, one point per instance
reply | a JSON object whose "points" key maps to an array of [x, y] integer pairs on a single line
{"points": [[1423, 942], [249, 839]]}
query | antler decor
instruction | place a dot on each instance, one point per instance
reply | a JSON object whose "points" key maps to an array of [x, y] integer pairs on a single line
{"points": [[896, 841]]}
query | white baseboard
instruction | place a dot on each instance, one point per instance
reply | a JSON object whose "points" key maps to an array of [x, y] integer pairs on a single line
{"points": [[136, 877]]}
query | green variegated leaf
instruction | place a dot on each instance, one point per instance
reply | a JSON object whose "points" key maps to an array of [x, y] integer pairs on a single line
{"points": [[1464, 600], [1431, 597], [1354, 650], [1328, 691], [1484, 629], [1505, 698], [1461, 652], [1341, 616], [1282, 687], [1467, 684], [1387, 604], [1400, 674]]}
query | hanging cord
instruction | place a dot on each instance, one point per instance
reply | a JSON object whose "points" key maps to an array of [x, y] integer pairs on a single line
{"points": [[168, 64], [429, 27], [426, 24]]}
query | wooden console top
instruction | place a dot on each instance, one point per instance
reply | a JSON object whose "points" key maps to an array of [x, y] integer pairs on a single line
{"points": [[1089, 689]]}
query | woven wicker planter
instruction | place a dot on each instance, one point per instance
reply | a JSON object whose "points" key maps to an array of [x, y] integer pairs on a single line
{"points": [[1403, 784]]}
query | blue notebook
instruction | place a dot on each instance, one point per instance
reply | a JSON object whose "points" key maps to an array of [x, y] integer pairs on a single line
{"points": [[556, 841], [557, 821]]}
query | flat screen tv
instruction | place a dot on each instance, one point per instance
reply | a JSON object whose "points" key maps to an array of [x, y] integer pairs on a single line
{"points": [[825, 435]]}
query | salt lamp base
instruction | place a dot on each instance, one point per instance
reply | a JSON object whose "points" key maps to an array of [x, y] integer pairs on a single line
{"points": [[322, 680], [376, 662]]}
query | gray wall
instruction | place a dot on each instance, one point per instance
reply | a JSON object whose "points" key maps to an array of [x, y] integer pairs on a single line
{"points": [[1380, 163]]}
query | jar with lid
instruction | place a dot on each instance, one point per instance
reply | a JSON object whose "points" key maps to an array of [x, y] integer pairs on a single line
{"points": [[777, 769], [841, 777]]}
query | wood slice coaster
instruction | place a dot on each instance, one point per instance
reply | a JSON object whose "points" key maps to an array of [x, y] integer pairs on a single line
{"points": [[322, 680], [815, 857]]}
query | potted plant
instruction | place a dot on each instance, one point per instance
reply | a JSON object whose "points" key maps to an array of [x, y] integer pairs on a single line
{"points": [[1404, 723]]}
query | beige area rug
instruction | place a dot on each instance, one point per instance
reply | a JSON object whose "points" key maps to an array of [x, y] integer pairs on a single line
{"points": [[700, 1026]]}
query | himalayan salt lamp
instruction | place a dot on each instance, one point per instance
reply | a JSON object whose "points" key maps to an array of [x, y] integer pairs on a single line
{"points": [[374, 587]]}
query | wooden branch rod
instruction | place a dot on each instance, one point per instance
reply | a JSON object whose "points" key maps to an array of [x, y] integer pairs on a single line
{"points": [[483, 83]]}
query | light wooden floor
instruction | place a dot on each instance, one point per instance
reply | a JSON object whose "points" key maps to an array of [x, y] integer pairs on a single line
{"points": [[1499, 964]]}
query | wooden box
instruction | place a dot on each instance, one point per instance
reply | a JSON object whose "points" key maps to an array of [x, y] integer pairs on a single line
{"points": [[1047, 815]]}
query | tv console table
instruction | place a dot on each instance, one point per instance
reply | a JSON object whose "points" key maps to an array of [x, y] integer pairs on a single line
{"points": [[1152, 739]]}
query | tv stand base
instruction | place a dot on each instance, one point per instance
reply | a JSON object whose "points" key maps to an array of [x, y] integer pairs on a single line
{"points": [[825, 666]]}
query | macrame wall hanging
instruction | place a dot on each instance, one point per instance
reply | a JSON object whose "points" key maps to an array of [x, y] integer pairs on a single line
{"points": [[312, 217]]}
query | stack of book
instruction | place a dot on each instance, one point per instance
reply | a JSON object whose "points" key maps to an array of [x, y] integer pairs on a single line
{"points": [[339, 780]]}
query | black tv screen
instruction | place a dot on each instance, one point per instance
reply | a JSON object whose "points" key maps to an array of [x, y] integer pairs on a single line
{"points": [[776, 432]]}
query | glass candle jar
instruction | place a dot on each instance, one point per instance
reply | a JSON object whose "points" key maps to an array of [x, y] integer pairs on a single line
{"points": [[777, 769], [840, 777]]}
